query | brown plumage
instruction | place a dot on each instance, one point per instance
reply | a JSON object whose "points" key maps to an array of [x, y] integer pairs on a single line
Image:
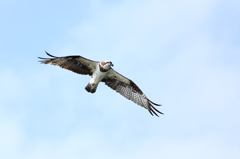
{"points": [[110, 77], [77, 64], [130, 90]]}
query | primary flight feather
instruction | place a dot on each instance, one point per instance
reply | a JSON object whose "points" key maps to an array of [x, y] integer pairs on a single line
{"points": [[103, 72]]}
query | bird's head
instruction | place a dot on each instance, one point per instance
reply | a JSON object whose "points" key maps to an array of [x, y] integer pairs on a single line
{"points": [[106, 65], [109, 63]]}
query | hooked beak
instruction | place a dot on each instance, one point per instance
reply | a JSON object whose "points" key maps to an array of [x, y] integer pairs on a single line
{"points": [[112, 64]]}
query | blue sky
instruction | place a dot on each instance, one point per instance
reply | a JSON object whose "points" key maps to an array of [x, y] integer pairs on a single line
{"points": [[183, 54]]}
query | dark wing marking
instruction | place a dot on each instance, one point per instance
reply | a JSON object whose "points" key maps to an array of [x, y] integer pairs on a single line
{"points": [[77, 64], [129, 90]]}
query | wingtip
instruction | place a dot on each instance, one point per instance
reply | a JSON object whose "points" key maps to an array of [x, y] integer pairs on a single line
{"points": [[156, 110], [44, 60], [155, 103], [153, 111], [49, 54]]}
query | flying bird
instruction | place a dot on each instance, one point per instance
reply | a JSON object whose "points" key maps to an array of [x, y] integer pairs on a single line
{"points": [[103, 72]]}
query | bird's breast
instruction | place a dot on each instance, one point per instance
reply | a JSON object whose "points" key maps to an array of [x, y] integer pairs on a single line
{"points": [[97, 76]]}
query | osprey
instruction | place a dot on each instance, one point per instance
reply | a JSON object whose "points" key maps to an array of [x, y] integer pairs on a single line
{"points": [[103, 72]]}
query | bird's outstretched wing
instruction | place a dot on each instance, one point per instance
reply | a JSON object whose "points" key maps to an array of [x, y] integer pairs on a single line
{"points": [[77, 64], [130, 90]]}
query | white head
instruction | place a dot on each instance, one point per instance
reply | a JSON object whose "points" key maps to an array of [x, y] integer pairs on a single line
{"points": [[106, 65]]}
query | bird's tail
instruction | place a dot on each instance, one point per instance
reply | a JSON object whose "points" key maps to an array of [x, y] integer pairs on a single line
{"points": [[91, 87]]}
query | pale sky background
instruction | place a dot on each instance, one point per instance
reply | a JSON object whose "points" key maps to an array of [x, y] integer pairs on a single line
{"points": [[183, 54]]}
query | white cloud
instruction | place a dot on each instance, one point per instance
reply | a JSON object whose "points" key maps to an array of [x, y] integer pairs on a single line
{"points": [[52, 116], [124, 28]]}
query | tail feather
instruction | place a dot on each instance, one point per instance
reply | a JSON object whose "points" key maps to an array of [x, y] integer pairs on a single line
{"points": [[91, 88]]}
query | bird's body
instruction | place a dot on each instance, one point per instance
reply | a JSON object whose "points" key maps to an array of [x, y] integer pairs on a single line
{"points": [[103, 72], [97, 76]]}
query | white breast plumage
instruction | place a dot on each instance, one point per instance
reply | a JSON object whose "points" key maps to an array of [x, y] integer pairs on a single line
{"points": [[97, 76]]}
